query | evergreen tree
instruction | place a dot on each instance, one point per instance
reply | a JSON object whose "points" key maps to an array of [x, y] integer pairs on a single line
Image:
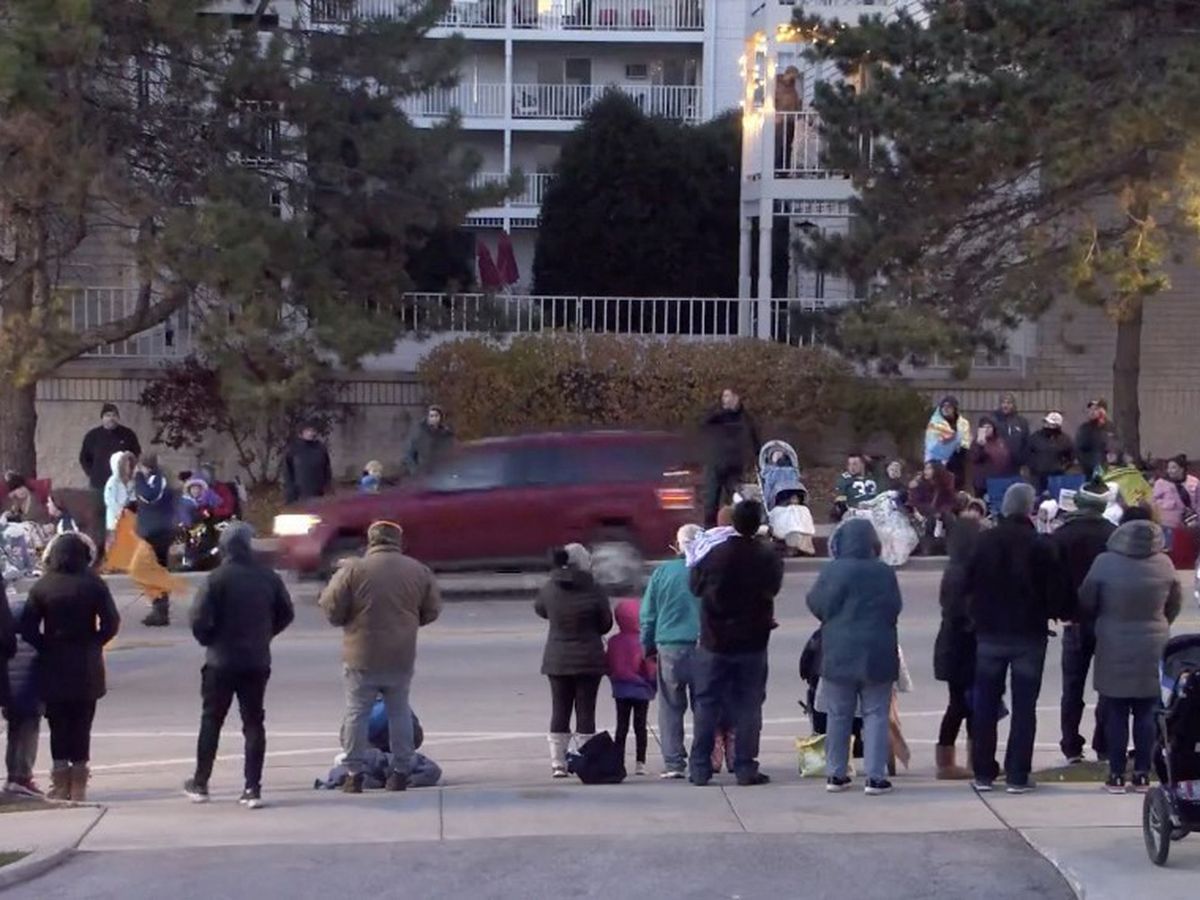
{"points": [[1022, 150], [641, 207]]}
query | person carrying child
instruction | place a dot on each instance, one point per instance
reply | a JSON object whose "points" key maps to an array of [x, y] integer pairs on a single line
{"points": [[633, 680]]}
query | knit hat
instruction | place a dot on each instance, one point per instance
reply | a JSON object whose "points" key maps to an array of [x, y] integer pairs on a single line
{"points": [[1018, 500], [385, 534], [13, 481], [1093, 497], [1054, 419], [1098, 403], [109, 408]]}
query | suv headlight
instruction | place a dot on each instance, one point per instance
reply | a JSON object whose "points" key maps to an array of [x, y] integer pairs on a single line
{"points": [[295, 524]]}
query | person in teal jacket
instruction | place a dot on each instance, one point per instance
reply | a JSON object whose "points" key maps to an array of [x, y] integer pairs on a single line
{"points": [[670, 627]]}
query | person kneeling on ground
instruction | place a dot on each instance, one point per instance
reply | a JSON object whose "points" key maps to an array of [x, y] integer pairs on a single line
{"points": [[380, 601], [424, 772], [239, 610]]}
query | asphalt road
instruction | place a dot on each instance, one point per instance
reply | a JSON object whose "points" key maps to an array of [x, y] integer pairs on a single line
{"points": [[484, 707]]}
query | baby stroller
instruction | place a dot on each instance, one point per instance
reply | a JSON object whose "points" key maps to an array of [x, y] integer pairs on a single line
{"points": [[785, 498], [1172, 809]]}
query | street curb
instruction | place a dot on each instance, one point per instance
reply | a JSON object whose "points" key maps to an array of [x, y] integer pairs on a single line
{"points": [[1074, 882], [41, 861]]}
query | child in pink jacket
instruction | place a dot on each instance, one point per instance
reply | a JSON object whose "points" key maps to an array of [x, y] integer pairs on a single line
{"points": [[634, 679]]}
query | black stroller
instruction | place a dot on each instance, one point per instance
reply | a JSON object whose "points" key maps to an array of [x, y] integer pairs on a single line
{"points": [[1172, 809]]}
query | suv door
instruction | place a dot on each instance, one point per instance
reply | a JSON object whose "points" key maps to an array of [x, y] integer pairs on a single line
{"points": [[466, 509]]}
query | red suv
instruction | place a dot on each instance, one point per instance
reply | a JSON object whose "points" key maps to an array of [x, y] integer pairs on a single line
{"points": [[504, 502]]}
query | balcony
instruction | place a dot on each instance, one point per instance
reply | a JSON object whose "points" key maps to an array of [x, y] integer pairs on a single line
{"points": [[531, 193], [795, 150], [531, 15], [557, 102]]}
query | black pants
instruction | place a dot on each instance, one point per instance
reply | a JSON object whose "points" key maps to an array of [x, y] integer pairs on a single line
{"points": [[161, 543], [576, 692], [641, 738], [218, 687], [1078, 648], [957, 713], [1117, 712], [71, 730], [719, 482]]}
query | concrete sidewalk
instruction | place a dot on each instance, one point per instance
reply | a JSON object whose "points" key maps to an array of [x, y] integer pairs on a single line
{"points": [[48, 837]]}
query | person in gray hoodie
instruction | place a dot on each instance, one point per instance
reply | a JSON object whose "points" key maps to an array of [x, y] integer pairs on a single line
{"points": [[1133, 596], [239, 610]]}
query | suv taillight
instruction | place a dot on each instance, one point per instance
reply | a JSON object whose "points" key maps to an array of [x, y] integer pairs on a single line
{"points": [[676, 498]]}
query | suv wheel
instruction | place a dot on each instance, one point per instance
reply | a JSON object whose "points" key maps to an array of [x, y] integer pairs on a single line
{"points": [[616, 561]]}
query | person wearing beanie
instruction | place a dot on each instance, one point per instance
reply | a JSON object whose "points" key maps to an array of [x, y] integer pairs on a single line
{"points": [[307, 470], [380, 601], [1012, 583], [1076, 544], [99, 445], [1013, 429], [239, 609], [157, 526], [670, 626], [1050, 451], [573, 660], [1093, 438], [736, 582]]}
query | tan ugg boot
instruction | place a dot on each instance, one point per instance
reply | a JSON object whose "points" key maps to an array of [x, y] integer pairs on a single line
{"points": [[78, 777], [60, 782], [947, 767]]}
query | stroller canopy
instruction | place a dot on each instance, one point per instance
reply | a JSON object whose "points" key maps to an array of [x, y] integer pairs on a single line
{"points": [[768, 450], [777, 480]]}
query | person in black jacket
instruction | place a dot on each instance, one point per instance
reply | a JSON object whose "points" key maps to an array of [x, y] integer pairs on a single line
{"points": [[733, 444], [1012, 589], [156, 525], [1049, 451], [736, 582], [1013, 429], [1093, 438], [98, 447], [307, 470], [68, 618], [239, 610], [1077, 543]]}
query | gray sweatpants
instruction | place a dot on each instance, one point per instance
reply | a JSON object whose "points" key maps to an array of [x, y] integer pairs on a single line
{"points": [[362, 689]]}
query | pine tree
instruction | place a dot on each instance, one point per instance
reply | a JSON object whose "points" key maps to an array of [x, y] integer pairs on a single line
{"points": [[1022, 150]]}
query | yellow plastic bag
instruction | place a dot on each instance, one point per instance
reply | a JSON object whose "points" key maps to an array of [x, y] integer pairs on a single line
{"points": [[811, 756]]}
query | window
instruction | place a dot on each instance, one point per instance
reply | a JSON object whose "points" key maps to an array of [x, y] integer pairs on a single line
{"points": [[606, 463], [637, 72], [481, 471]]}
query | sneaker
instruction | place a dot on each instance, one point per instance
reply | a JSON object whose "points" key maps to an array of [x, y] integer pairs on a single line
{"points": [[1022, 788], [194, 791], [877, 786], [673, 775], [251, 798], [981, 787], [1115, 784], [639, 768], [559, 772], [396, 781], [753, 780], [23, 787], [835, 784], [1141, 782], [699, 781], [353, 784]]}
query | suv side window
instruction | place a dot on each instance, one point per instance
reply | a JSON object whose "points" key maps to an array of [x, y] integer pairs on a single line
{"points": [[592, 464], [479, 471]]}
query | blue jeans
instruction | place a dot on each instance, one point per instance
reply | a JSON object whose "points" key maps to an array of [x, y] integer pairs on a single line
{"points": [[362, 688], [995, 656], [841, 706], [736, 684], [674, 695], [1117, 711]]}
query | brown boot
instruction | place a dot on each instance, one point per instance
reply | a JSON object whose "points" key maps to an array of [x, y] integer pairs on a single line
{"points": [[79, 781], [947, 767], [60, 782]]}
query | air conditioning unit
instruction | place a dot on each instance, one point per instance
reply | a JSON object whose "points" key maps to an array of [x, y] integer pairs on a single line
{"points": [[637, 72]]}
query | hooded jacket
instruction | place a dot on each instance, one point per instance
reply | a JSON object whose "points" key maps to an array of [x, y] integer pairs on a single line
{"points": [[1076, 544], [857, 600], [670, 612], [1132, 593], [633, 677], [380, 601], [156, 504], [240, 607], [1013, 429], [117, 493], [579, 617], [737, 583]]}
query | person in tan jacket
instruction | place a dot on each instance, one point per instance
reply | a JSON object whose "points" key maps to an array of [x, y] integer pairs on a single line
{"points": [[380, 601]]}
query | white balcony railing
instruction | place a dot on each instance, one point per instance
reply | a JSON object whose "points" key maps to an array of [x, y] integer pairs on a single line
{"points": [[557, 15], [572, 101], [484, 101], [531, 192], [95, 306], [796, 147]]}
